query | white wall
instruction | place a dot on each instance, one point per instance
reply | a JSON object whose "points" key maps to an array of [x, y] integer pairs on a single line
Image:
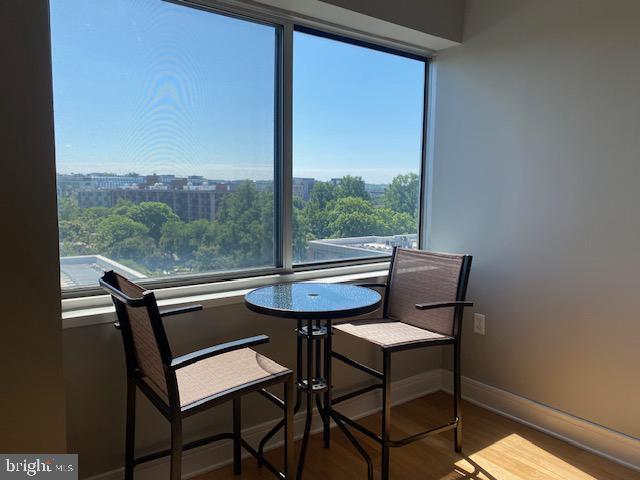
{"points": [[442, 18], [427, 24], [31, 386], [537, 174]]}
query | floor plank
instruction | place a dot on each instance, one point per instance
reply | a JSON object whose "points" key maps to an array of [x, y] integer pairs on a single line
{"points": [[495, 448]]}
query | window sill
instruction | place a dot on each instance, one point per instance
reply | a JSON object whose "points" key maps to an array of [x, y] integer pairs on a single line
{"points": [[98, 310]]}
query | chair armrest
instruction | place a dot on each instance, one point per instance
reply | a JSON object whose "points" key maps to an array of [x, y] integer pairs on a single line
{"points": [[431, 306], [193, 357], [371, 285], [167, 312]]}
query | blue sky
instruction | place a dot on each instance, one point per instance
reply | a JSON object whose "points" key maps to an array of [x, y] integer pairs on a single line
{"points": [[150, 86]]}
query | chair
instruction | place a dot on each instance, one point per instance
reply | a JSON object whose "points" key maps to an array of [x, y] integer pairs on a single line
{"points": [[423, 307], [182, 386]]}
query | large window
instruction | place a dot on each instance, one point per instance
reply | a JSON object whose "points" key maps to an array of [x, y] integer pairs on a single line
{"points": [[357, 150], [164, 119], [175, 126]]}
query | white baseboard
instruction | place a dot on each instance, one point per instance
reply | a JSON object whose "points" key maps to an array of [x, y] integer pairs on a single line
{"points": [[594, 438], [589, 436], [210, 457]]}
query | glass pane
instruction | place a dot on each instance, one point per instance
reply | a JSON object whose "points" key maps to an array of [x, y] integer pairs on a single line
{"points": [[164, 120], [357, 139]]}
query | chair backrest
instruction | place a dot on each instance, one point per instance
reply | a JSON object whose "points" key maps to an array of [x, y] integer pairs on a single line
{"points": [[145, 341], [417, 276]]}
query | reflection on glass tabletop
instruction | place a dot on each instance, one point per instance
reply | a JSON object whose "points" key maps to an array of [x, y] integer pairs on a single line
{"points": [[313, 300]]}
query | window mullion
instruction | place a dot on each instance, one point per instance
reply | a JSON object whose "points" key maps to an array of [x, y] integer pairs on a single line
{"points": [[286, 157]]}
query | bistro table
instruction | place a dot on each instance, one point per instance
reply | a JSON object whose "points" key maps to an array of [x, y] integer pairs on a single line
{"points": [[315, 305]]}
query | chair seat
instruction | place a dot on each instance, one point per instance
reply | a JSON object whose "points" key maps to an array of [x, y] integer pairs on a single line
{"points": [[387, 333], [215, 375]]}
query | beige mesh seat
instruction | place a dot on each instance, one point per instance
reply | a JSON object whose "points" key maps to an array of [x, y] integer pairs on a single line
{"points": [[424, 300], [214, 376], [188, 384], [388, 333]]}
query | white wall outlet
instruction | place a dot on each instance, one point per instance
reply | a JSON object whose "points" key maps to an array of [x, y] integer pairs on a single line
{"points": [[478, 323]]}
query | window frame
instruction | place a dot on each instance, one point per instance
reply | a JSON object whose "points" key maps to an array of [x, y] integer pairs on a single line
{"points": [[286, 24]]}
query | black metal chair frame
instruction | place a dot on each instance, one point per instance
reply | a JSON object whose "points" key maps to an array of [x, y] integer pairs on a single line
{"points": [[384, 377], [172, 409]]}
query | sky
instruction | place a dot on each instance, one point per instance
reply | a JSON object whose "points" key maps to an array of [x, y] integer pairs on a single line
{"points": [[150, 86]]}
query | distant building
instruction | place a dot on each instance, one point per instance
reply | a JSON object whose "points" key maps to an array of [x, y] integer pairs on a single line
{"points": [[106, 182], [189, 205], [67, 184], [357, 247], [302, 187]]}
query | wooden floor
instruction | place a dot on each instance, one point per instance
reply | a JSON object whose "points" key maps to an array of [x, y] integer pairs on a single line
{"points": [[494, 448]]}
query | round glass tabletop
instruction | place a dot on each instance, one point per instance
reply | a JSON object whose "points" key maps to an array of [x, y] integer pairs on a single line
{"points": [[313, 300]]}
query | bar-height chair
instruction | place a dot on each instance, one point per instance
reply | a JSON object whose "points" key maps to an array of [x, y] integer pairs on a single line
{"points": [[182, 386], [423, 307]]}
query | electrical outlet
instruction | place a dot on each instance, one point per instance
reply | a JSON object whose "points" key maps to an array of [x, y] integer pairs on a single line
{"points": [[478, 323]]}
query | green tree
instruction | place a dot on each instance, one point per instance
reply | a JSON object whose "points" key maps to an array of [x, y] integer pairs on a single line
{"points": [[323, 193], [245, 226], [153, 215], [115, 229], [350, 186], [68, 208], [353, 217], [402, 195], [182, 240]]}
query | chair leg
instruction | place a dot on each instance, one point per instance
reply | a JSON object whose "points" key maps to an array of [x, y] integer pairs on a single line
{"points": [[130, 430], [327, 394], [237, 436], [176, 448], [457, 396], [289, 453], [386, 414]]}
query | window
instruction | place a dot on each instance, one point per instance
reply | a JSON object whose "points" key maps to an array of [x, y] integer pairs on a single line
{"points": [[164, 119], [171, 128], [357, 150]]}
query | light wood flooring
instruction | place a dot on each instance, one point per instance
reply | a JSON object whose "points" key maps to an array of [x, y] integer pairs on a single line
{"points": [[494, 448]]}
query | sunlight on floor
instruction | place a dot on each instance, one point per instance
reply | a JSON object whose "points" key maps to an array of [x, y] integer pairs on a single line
{"points": [[492, 462]]}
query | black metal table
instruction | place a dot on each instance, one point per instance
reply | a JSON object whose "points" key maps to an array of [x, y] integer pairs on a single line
{"points": [[317, 305]]}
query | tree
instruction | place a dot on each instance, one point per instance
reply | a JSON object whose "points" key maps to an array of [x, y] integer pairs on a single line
{"points": [[402, 195], [115, 229], [68, 208], [350, 186], [353, 217], [313, 216], [153, 215], [322, 193], [301, 230], [245, 226]]}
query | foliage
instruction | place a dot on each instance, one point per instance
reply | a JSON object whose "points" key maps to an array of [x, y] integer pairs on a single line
{"points": [[151, 238], [402, 195], [352, 187]]}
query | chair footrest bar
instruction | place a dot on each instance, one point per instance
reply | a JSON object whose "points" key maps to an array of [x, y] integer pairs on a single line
{"points": [[263, 461], [357, 426], [187, 446], [421, 435], [359, 366], [272, 398], [350, 395]]}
